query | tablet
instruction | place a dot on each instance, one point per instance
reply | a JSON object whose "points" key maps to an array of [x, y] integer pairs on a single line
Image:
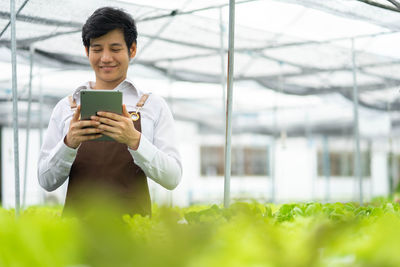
{"points": [[93, 101]]}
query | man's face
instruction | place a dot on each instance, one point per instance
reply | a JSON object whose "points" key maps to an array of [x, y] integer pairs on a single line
{"points": [[109, 58]]}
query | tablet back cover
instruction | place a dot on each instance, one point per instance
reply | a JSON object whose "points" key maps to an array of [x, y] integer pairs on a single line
{"points": [[93, 101]]}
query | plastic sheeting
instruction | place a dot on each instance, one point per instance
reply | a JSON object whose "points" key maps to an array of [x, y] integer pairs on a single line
{"points": [[181, 40]]}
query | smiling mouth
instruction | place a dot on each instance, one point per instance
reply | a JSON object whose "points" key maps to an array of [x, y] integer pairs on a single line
{"points": [[107, 68]]}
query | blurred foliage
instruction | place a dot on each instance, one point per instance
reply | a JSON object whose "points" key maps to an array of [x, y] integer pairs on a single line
{"points": [[245, 234]]}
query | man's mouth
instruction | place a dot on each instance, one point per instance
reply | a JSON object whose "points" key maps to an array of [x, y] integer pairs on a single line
{"points": [[107, 68]]}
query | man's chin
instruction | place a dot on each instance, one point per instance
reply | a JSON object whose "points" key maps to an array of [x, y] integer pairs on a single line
{"points": [[111, 80]]}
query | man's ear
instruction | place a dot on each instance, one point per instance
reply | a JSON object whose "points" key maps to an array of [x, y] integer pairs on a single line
{"points": [[87, 51], [132, 51]]}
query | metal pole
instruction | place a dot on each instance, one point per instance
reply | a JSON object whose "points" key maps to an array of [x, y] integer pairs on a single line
{"points": [[310, 145], [171, 104], [275, 134], [222, 52], [41, 124], [170, 80], [28, 124], [8, 24], [327, 168], [283, 133], [272, 165], [229, 104], [392, 163], [15, 105], [394, 173], [357, 156], [40, 110]]}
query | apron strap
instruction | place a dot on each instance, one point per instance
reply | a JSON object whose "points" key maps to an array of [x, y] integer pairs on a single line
{"points": [[142, 100], [72, 102], [135, 115]]}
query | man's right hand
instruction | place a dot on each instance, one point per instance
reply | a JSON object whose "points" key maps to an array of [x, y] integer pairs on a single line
{"points": [[77, 132]]}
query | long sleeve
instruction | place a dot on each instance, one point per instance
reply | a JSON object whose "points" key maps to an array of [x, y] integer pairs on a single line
{"points": [[160, 160], [55, 159]]}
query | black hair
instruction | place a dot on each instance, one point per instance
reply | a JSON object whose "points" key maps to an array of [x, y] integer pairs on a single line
{"points": [[106, 19]]}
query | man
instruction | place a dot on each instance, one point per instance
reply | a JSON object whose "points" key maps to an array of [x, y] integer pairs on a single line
{"points": [[142, 147]]}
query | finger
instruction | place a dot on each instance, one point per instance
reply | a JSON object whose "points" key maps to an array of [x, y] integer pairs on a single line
{"points": [[108, 128], [88, 131], [109, 115], [77, 113], [107, 121], [125, 111], [87, 123], [90, 137], [112, 135]]}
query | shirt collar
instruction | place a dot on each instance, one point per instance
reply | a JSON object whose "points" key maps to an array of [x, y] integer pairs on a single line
{"points": [[124, 85]]}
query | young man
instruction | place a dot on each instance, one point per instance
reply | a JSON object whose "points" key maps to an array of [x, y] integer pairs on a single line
{"points": [[142, 148]]}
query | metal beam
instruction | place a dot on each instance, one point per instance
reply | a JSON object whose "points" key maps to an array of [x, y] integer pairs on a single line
{"points": [[15, 106], [22, 43], [178, 13], [357, 154], [396, 4], [28, 125], [228, 132], [8, 24], [40, 20], [376, 4]]}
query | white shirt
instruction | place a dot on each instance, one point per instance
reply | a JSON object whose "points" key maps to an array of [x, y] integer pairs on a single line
{"points": [[156, 155]]}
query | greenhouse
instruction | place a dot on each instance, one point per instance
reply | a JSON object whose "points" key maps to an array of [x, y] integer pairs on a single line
{"points": [[287, 121]]}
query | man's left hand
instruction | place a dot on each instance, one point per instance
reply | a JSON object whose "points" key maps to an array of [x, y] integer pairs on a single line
{"points": [[119, 127]]}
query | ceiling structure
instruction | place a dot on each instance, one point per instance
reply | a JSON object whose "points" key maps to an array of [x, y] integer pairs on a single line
{"points": [[291, 55]]}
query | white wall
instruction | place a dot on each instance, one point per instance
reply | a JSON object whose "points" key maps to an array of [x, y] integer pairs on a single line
{"points": [[379, 170], [188, 144], [296, 177], [295, 164]]}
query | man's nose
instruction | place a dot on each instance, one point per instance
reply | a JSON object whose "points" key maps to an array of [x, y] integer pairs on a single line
{"points": [[106, 56]]}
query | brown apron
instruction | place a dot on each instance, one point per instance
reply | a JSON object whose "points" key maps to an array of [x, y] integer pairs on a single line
{"points": [[105, 170]]}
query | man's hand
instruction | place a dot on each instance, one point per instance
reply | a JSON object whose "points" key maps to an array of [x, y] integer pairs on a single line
{"points": [[119, 127], [77, 132]]}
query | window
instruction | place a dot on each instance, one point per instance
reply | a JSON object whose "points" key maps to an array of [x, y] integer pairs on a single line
{"points": [[394, 171], [245, 161], [212, 160], [341, 163]]}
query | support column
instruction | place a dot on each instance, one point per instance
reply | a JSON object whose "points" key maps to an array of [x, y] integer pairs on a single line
{"points": [[229, 104], [327, 168], [222, 52], [357, 154], [28, 125], [15, 105]]}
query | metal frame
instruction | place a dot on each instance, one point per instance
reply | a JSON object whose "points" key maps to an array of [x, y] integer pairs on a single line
{"points": [[228, 133], [15, 106]]}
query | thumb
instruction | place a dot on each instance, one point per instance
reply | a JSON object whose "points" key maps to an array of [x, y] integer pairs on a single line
{"points": [[77, 113], [125, 111]]}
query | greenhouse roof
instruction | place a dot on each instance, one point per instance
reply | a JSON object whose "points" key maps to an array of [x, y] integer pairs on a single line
{"points": [[300, 49]]}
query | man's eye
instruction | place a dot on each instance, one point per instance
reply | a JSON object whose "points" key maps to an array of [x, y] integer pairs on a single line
{"points": [[116, 50], [96, 50]]}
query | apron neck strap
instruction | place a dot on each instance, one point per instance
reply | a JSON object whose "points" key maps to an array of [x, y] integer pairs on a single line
{"points": [[142, 100], [135, 115], [72, 102]]}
